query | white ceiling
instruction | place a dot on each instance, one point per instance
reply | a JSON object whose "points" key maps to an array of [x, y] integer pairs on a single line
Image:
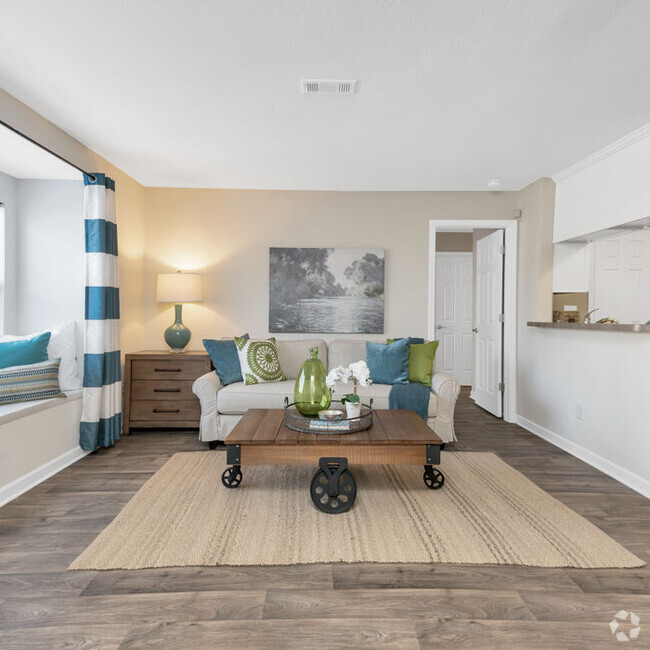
{"points": [[451, 93], [21, 158]]}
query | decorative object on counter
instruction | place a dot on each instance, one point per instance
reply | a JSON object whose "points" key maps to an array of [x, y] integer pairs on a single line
{"points": [[311, 393], [295, 420], [566, 316], [326, 290], [608, 320], [359, 373], [179, 288]]}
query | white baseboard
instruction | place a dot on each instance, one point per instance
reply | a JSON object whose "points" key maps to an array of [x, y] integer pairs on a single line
{"points": [[14, 489], [637, 483]]}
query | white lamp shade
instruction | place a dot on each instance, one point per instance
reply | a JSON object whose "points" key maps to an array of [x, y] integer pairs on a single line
{"points": [[179, 287]]}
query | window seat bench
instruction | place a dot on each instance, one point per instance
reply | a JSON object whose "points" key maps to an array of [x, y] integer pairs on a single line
{"points": [[37, 439]]}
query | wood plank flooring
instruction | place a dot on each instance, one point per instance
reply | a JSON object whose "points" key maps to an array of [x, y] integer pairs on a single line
{"points": [[302, 607]]}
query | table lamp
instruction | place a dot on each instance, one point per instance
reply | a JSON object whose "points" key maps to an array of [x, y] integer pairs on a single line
{"points": [[179, 288]]}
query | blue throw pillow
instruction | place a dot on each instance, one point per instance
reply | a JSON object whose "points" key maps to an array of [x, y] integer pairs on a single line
{"points": [[388, 363], [24, 352], [225, 359]]}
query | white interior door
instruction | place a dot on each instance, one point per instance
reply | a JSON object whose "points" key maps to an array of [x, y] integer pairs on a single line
{"points": [[454, 293], [487, 387]]}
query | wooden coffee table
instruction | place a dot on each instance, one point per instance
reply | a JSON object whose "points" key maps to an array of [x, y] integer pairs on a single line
{"points": [[396, 437]]}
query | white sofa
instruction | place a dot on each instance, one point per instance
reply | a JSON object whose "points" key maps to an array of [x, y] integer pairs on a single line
{"points": [[223, 406]]}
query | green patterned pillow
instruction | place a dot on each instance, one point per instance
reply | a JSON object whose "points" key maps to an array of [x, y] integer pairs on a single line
{"points": [[259, 361]]}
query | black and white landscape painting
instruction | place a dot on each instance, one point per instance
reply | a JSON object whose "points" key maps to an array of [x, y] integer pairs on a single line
{"points": [[326, 290]]}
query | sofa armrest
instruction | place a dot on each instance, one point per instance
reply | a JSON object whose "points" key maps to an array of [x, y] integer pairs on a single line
{"points": [[206, 388], [446, 390]]}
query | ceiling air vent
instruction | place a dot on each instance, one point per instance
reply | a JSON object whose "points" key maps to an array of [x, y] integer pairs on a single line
{"points": [[328, 86]]}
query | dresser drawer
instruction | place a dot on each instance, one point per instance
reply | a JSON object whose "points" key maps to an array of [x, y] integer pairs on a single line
{"points": [[154, 411], [162, 390], [167, 369]]}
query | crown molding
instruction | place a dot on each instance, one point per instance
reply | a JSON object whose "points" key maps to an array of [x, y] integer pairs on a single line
{"points": [[616, 146]]}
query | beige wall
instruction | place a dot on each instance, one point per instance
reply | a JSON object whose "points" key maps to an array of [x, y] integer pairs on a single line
{"points": [[454, 242], [535, 282], [130, 206], [226, 234]]}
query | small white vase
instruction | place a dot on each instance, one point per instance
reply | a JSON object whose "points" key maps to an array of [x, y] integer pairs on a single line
{"points": [[352, 409]]}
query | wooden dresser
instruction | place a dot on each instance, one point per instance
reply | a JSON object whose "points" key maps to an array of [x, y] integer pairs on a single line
{"points": [[158, 389]]}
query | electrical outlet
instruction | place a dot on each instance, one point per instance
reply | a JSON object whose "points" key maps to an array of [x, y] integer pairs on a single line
{"points": [[579, 412]]}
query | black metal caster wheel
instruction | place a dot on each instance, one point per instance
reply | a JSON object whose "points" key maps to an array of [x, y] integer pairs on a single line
{"points": [[333, 488], [434, 479], [231, 476]]}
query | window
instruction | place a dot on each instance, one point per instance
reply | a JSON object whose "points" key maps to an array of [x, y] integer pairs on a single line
{"points": [[2, 268]]}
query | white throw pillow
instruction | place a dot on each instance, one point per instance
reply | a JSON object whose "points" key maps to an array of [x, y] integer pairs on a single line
{"points": [[62, 346]]}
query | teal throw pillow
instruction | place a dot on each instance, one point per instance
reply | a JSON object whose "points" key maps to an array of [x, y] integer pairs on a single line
{"points": [[388, 363], [225, 359], [24, 352]]}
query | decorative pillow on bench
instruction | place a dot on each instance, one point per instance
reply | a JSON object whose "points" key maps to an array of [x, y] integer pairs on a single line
{"points": [[259, 361], [62, 345], [24, 351], [32, 382]]}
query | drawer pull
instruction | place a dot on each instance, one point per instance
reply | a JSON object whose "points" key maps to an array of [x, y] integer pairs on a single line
{"points": [[166, 390], [167, 369], [166, 410]]}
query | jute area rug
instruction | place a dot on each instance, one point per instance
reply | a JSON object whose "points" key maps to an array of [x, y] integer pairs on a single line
{"points": [[486, 513]]}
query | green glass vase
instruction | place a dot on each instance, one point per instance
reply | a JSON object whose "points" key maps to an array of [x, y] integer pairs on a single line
{"points": [[311, 393]]}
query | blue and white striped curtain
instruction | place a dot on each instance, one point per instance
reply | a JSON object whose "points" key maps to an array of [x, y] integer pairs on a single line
{"points": [[101, 417]]}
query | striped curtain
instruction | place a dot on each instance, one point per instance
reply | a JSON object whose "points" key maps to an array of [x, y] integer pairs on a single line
{"points": [[101, 416]]}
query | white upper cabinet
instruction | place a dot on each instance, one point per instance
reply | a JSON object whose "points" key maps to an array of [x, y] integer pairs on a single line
{"points": [[609, 188], [571, 266]]}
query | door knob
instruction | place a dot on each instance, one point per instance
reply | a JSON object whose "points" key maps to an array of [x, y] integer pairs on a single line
{"points": [[440, 327], [475, 329]]}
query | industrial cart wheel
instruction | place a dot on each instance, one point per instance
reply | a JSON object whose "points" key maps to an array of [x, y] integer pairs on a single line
{"points": [[434, 479], [231, 476], [333, 490]]}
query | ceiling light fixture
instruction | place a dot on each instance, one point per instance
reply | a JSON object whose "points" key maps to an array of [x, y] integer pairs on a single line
{"points": [[494, 183]]}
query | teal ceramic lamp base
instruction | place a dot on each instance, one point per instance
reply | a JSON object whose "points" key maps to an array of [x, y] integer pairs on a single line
{"points": [[177, 336]]}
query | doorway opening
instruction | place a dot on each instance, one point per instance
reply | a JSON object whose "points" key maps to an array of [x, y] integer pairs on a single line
{"points": [[472, 308]]}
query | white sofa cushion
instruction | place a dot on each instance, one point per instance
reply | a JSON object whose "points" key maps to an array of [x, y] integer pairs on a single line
{"points": [[292, 354], [236, 399], [379, 394]]}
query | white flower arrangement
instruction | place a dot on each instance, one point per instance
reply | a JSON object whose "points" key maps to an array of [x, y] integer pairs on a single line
{"points": [[357, 372]]}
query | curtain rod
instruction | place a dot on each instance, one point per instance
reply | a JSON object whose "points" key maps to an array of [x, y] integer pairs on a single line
{"points": [[38, 144]]}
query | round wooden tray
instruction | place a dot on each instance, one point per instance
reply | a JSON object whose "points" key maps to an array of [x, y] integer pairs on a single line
{"points": [[299, 422]]}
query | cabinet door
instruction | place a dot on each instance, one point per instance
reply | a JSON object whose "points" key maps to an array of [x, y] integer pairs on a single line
{"points": [[571, 262]]}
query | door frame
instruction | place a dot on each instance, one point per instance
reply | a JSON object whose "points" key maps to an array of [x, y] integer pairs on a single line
{"points": [[449, 254], [509, 227]]}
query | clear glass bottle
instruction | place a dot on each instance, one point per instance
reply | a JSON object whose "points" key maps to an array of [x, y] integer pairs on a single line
{"points": [[311, 393]]}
